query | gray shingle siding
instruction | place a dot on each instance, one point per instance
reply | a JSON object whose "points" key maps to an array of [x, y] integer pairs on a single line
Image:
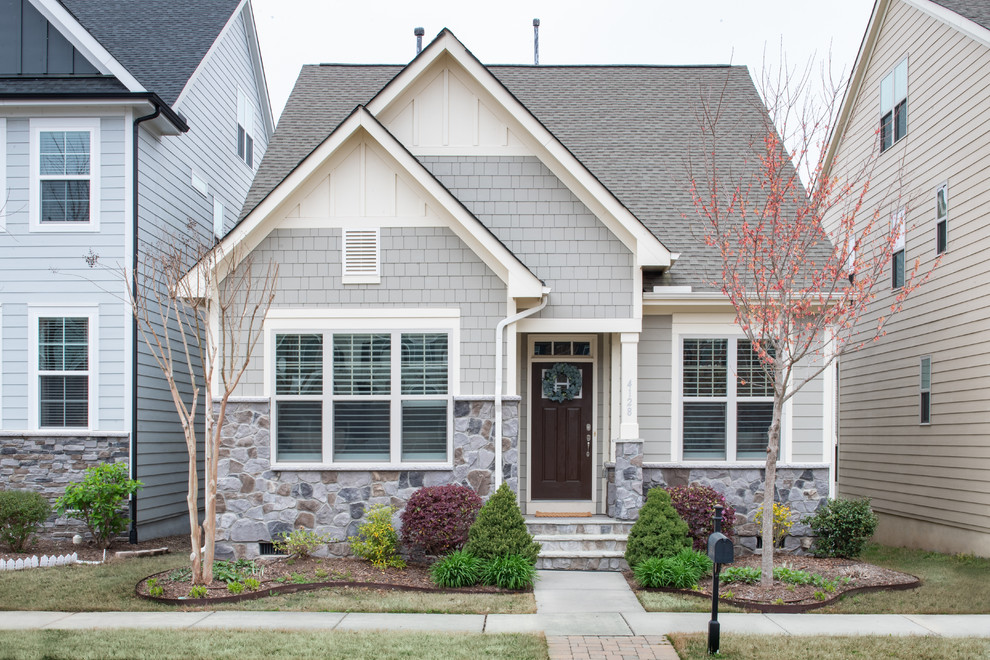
{"points": [[540, 220], [420, 267]]}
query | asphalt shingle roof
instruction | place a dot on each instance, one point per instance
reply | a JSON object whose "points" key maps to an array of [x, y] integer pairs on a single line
{"points": [[62, 85], [977, 11], [636, 128], [160, 42]]}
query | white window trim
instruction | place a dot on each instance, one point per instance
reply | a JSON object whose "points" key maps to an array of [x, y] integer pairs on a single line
{"points": [[943, 186], [246, 109], [36, 312], [695, 326], [329, 322], [4, 193], [218, 213], [1, 342], [68, 124], [895, 100], [922, 390], [198, 183], [898, 224]]}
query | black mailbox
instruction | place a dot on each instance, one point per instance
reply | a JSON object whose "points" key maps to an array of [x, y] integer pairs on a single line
{"points": [[720, 549]]}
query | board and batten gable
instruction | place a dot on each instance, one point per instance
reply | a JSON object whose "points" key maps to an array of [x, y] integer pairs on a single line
{"points": [[171, 206], [929, 482], [48, 268]]}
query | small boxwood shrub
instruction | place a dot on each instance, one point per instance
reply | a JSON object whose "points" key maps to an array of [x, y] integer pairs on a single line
{"points": [[695, 504], [458, 569], [682, 571], [500, 530], [21, 513], [437, 518], [98, 501], [659, 531], [509, 572], [843, 527]]}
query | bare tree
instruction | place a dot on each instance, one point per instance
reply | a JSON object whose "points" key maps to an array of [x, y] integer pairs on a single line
{"points": [[203, 325], [803, 294]]}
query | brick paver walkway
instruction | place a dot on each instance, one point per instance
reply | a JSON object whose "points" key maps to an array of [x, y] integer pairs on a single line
{"points": [[649, 647]]}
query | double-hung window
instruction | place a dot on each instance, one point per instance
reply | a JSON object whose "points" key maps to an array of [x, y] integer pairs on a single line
{"points": [[897, 256], [245, 128], [926, 391], [893, 106], [386, 401], [64, 174], [942, 218], [727, 400], [63, 372]]}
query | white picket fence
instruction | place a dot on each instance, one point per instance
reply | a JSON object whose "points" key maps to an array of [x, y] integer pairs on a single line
{"points": [[35, 562]]}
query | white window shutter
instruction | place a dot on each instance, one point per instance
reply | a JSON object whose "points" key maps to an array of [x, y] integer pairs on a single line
{"points": [[361, 256]]}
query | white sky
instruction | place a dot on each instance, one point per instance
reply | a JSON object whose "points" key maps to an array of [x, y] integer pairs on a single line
{"points": [[297, 32]]}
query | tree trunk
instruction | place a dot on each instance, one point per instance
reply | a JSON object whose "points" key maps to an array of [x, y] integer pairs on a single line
{"points": [[769, 483], [195, 534], [212, 434]]}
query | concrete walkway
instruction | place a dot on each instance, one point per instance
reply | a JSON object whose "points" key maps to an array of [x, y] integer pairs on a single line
{"points": [[569, 604]]}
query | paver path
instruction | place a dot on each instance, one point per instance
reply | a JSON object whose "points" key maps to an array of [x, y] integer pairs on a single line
{"points": [[578, 647]]}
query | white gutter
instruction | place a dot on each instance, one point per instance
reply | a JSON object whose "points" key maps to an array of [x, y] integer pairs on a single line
{"points": [[509, 320]]}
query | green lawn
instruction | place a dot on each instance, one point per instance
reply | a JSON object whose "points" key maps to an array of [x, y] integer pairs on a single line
{"points": [[780, 647], [241, 645], [110, 587], [950, 584]]}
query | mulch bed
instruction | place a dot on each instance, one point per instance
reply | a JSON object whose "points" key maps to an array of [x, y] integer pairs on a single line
{"points": [[288, 575], [88, 552], [783, 597]]}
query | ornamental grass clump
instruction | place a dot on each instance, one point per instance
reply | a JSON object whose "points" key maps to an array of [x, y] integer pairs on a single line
{"points": [[509, 572], [682, 571], [695, 504], [21, 514], [659, 531], [376, 540], [843, 528], [458, 569], [437, 518], [500, 530]]}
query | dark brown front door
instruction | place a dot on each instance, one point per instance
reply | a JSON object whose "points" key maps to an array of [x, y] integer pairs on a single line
{"points": [[561, 440]]}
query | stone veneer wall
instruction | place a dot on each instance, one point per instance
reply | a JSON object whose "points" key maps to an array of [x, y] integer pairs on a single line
{"points": [[47, 464], [802, 487], [625, 492], [256, 503]]}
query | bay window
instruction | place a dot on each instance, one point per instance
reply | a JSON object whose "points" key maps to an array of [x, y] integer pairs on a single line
{"points": [[726, 399]]}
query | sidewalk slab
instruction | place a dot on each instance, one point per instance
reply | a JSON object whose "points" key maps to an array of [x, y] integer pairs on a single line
{"points": [[585, 580], [565, 601], [661, 623], [110, 620], [435, 622], [29, 620], [270, 620], [948, 625], [609, 623], [847, 624]]}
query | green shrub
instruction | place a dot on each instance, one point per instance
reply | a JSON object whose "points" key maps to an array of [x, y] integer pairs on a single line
{"points": [[659, 531], [843, 527], [21, 513], [458, 569], [376, 540], [301, 542], [509, 572], [97, 501], [682, 571], [500, 530]]}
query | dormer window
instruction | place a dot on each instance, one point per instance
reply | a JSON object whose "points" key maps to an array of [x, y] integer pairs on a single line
{"points": [[893, 106]]}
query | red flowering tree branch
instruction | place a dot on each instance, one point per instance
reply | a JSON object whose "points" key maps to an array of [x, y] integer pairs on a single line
{"points": [[804, 293]]}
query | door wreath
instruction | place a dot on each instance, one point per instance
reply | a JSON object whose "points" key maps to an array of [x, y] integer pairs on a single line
{"points": [[552, 378]]}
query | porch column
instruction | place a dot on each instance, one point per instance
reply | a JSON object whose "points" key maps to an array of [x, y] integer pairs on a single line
{"points": [[628, 471]]}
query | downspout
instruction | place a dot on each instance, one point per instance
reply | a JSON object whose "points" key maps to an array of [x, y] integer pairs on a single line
{"points": [[498, 377], [133, 535]]}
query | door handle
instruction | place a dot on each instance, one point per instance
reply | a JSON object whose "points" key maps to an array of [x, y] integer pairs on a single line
{"points": [[587, 448]]}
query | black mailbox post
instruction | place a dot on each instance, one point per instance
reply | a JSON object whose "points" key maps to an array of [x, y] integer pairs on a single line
{"points": [[720, 551]]}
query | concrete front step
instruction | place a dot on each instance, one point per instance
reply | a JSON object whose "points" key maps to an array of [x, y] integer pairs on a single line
{"points": [[580, 544]]}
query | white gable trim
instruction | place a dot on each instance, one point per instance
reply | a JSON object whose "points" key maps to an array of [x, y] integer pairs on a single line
{"points": [[521, 283], [620, 221], [960, 23], [86, 43]]}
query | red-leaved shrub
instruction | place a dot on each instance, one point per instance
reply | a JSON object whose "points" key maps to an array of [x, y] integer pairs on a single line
{"points": [[437, 518], [696, 505]]}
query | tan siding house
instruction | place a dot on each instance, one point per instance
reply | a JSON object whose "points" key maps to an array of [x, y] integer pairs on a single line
{"points": [[914, 409]]}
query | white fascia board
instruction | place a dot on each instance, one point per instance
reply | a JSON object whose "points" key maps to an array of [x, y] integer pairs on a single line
{"points": [[259, 223], [620, 221], [962, 24], [259, 68], [86, 43]]}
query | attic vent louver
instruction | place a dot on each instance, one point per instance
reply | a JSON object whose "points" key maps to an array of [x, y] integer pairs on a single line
{"points": [[361, 256]]}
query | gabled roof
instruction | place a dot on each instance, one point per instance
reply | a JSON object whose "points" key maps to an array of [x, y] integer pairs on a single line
{"points": [[633, 127], [159, 42], [977, 11]]}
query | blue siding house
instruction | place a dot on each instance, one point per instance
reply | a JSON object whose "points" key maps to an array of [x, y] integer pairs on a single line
{"points": [[123, 125]]}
